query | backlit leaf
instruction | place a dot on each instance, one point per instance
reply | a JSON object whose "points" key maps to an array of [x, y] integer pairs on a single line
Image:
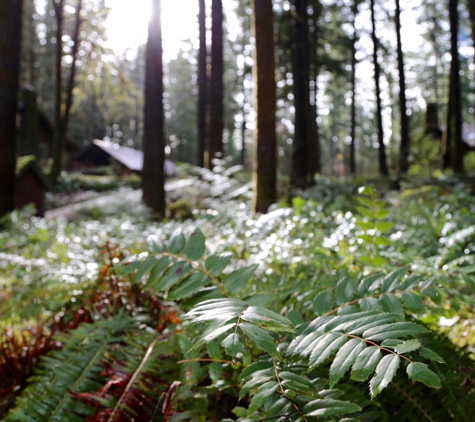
{"points": [[154, 244], [407, 346], [385, 372], [326, 347], [211, 336], [365, 363], [383, 226], [395, 330], [344, 359], [176, 242], [365, 212]]}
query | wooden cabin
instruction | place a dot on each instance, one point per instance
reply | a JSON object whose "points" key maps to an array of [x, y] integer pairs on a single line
{"points": [[30, 185]]}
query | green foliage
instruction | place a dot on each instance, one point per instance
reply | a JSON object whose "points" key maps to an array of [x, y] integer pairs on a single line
{"points": [[76, 367], [292, 314]]}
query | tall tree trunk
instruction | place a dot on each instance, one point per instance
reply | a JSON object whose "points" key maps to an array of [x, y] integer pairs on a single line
{"points": [[383, 166], [153, 177], [316, 165], [353, 93], [300, 147], [62, 111], [56, 148], [404, 148], [202, 83], [471, 11], [314, 162], [314, 150], [454, 112], [242, 153], [265, 163], [216, 114], [10, 46], [29, 140]]}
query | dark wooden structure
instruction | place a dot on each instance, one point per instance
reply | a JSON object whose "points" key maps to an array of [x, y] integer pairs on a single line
{"points": [[35, 131], [124, 160], [30, 185]]}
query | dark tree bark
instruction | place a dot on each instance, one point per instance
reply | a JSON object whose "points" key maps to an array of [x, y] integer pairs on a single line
{"points": [[353, 94], [243, 153], [383, 166], [153, 177], [202, 83], [471, 11], [216, 113], [265, 163], [62, 111], [404, 148], [453, 133], [300, 146], [10, 47], [314, 162], [29, 142]]}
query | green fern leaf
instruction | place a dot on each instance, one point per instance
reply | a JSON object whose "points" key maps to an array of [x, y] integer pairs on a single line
{"points": [[344, 359], [329, 407], [232, 345], [195, 247], [392, 280], [325, 347], [260, 339], [420, 372], [177, 241], [395, 330], [365, 363], [385, 372]]}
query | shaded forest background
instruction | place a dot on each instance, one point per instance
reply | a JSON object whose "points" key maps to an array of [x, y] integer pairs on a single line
{"points": [[352, 94]]}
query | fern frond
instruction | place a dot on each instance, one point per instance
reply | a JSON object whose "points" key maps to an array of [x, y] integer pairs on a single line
{"points": [[143, 369], [76, 367], [454, 401]]}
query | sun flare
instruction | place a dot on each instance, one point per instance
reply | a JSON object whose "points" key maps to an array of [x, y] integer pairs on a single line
{"points": [[127, 24]]}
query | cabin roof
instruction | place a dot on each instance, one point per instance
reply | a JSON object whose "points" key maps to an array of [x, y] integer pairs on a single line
{"points": [[129, 157]]}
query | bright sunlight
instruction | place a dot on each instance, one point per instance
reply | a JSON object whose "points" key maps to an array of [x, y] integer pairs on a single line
{"points": [[127, 24]]}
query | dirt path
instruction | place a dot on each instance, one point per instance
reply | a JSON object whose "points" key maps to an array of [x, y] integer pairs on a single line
{"points": [[122, 200]]}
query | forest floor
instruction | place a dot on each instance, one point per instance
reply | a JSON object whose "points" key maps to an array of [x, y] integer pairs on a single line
{"points": [[109, 203]]}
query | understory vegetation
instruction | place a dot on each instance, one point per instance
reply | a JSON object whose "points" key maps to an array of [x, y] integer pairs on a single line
{"points": [[354, 304]]}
